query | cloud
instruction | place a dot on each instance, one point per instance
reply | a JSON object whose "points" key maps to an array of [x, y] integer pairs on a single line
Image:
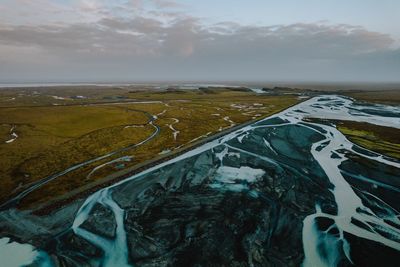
{"points": [[167, 4], [145, 36], [180, 47]]}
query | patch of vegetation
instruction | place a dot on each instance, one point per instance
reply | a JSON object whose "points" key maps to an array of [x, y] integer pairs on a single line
{"points": [[384, 140], [391, 97]]}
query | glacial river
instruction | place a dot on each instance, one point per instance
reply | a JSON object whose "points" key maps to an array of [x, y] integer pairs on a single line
{"points": [[329, 202]]}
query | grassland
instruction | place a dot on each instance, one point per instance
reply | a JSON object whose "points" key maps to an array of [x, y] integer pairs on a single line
{"points": [[383, 140], [389, 97], [100, 131]]}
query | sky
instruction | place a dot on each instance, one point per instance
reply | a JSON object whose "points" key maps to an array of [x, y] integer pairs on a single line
{"points": [[199, 40]]}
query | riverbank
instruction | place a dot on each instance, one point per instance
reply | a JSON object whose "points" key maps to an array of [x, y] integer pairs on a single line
{"points": [[71, 145], [124, 174]]}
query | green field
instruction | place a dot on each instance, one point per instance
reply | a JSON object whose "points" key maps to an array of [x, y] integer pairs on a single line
{"points": [[383, 140]]}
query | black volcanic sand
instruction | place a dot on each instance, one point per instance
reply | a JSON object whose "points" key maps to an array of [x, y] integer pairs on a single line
{"points": [[175, 218]]}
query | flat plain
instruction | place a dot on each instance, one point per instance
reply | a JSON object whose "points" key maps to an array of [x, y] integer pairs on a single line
{"points": [[59, 142]]}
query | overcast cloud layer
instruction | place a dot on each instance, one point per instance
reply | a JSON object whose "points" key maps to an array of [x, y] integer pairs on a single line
{"points": [[128, 41]]}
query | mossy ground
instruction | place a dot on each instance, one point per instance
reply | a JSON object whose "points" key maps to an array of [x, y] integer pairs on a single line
{"points": [[390, 97], [384, 140]]}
